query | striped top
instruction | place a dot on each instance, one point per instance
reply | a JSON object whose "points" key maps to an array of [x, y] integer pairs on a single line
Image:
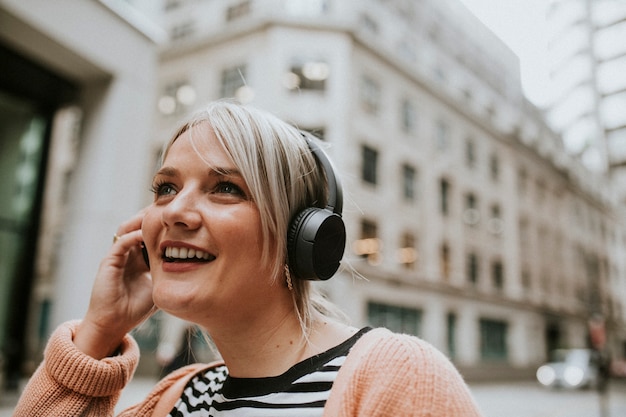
{"points": [[300, 391]]}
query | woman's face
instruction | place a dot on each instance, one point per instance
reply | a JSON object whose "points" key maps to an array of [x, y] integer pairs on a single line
{"points": [[203, 235]]}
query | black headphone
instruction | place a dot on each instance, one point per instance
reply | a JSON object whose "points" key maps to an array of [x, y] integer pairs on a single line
{"points": [[316, 237]]}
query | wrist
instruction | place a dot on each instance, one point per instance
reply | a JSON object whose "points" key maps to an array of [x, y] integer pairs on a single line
{"points": [[95, 343]]}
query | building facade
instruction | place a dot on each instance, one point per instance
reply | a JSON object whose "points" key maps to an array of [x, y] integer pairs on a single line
{"points": [[468, 223]]}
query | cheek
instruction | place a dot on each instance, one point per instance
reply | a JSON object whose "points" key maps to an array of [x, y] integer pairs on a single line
{"points": [[245, 241], [239, 227]]}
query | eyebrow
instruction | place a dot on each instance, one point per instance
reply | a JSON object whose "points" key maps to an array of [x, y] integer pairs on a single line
{"points": [[167, 172], [172, 172]]}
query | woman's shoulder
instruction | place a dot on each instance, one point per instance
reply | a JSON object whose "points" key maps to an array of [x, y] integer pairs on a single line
{"points": [[389, 352], [392, 374], [382, 341]]}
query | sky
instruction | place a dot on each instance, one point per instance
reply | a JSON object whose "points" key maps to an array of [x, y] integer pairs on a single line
{"points": [[521, 25]]}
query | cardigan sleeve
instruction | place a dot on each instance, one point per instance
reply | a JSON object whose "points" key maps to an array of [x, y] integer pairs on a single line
{"points": [[71, 383], [389, 374]]}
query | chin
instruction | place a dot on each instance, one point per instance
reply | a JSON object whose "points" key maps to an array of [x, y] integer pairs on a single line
{"points": [[173, 299]]}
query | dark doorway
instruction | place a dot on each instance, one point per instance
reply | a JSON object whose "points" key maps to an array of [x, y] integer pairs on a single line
{"points": [[29, 98]]}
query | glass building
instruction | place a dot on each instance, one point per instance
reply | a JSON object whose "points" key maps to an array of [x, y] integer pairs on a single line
{"points": [[589, 75]]}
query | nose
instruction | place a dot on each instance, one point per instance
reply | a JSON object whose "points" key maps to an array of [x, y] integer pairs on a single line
{"points": [[183, 211]]}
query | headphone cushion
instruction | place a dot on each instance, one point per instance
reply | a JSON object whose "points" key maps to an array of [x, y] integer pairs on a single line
{"points": [[316, 242]]}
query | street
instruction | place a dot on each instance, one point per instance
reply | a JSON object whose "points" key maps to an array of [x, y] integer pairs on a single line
{"points": [[529, 399], [517, 399]]}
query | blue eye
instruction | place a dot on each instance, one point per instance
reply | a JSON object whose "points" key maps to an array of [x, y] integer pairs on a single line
{"points": [[163, 189], [228, 188]]}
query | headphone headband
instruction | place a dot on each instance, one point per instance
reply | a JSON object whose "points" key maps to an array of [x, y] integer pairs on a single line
{"points": [[335, 192]]}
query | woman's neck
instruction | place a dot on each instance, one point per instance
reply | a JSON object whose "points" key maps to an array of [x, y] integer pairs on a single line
{"points": [[263, 348], [271, 348]]}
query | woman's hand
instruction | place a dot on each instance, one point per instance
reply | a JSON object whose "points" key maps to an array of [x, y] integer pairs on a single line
{"points": [[121, 297]]}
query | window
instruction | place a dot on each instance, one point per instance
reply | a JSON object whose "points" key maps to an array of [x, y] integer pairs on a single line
{"points": [[182, 30], [524, 233], [470, 201], [471, 215], [370, 95], [407, 253], [368, 246], [444, 261], [470, 153], [526, 279], [233, 79], [495, 211], [369, 24], [451, 334], [176, 98], [370, 165], [442, 133], [395, 318], [494, 167], [497, 274], [439, 74], [407, 49], [493, 334], [408, 182], [307, 75], [467, 94], [495, 225], [172, 4], [472, 268], [490, 110], [444, 197], [522, 181], [408, 115], [238, 10]]}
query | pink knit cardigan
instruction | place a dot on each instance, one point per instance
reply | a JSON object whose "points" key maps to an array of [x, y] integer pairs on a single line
{"points": [[385, 374]]}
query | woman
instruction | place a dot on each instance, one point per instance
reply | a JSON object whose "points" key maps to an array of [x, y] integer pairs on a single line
{"points": [[218, 239]]}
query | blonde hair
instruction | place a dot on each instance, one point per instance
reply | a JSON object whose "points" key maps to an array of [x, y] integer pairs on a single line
{"points": [[283, 177]]}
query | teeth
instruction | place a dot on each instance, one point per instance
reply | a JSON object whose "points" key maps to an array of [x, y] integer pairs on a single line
{"points": [[185, 253]]}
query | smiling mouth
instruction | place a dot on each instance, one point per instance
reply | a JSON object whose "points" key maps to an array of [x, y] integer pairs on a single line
{"points": [[186, 255]]}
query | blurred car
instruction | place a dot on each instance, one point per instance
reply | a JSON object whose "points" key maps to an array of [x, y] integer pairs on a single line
{"points": [[570, 368]]}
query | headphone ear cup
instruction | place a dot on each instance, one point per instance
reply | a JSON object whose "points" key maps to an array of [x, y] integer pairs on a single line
{"points": [[316, 241]]}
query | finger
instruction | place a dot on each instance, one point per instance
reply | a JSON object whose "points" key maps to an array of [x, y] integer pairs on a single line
{"points": [[129, 244], [134, 223], [123, 243]]}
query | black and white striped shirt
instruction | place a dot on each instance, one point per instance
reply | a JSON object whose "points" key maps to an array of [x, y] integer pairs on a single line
{"points": [[301, 391]]}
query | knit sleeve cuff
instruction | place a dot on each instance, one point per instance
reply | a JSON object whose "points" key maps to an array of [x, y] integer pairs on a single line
{"points": [[83, 374]]}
